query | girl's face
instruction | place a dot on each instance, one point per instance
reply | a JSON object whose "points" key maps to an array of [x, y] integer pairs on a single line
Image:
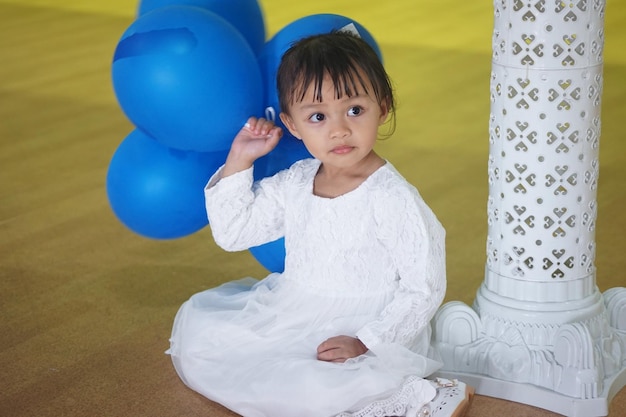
{"points": [[340, 132]]}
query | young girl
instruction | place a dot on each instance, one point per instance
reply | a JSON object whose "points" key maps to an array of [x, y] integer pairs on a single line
{"points": [[344, 330]]}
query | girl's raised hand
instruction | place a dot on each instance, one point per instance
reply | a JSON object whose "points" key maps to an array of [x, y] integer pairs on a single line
{"points": [[256, 139]]}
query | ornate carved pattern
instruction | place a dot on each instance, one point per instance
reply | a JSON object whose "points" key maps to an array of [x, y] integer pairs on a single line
{"points": [[544, 131]]}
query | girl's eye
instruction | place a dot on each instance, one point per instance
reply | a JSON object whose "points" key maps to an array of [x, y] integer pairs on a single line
{"points": [[355, 111], [317, 117]]}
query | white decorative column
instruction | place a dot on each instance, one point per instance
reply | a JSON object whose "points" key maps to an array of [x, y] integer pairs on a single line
{"points": [[540, 332]]}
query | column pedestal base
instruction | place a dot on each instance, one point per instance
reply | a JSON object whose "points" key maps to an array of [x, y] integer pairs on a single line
{"points": [[572, 367]]}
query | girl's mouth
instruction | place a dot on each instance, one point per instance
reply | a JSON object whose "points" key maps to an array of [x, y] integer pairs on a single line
{"points": [[342, 149]]}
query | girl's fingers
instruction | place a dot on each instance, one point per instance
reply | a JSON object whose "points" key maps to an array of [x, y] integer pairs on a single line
{"points": [[276, 132], [333, 355], [250, 123], [264, 127], [260, 127]]}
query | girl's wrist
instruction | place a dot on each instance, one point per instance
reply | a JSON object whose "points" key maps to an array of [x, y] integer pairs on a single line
{"points": [[235, 164]]}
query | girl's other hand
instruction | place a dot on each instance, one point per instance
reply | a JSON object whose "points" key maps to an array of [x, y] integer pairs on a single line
{"points": [[340, 348]]}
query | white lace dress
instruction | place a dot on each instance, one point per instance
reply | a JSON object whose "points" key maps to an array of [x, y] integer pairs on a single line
{"points": [[369, 263]]}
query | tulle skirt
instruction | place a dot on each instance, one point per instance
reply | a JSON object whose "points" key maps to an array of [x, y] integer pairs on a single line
{"points": [[251, 346]]}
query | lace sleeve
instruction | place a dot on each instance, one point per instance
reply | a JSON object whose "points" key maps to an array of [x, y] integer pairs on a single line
{"points": [[415, 240], [243, 214]]}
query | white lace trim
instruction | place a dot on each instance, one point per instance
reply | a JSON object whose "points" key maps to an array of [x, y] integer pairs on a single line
{"points": [[400, 404]]}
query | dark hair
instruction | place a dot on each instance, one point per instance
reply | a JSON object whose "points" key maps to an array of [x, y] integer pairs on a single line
{"points": [[341, 55]]}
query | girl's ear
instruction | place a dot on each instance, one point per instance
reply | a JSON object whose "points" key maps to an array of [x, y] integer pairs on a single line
{"points": [[288, 121], [384, 111]]}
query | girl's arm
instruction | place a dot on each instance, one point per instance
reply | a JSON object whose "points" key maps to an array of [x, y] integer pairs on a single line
{"points": [[242, 215], [416, 241]]}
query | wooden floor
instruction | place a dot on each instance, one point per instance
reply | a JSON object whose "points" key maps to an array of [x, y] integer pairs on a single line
{"points": [[86, 305]]}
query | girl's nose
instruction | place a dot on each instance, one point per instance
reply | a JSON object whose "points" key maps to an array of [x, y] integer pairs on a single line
{"points": [[339, 129]]}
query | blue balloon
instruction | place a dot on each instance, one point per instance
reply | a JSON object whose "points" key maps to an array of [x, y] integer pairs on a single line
{"points": [[275, 48], [156, 191], [245, 15], [271, 255], [187, 77]]}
